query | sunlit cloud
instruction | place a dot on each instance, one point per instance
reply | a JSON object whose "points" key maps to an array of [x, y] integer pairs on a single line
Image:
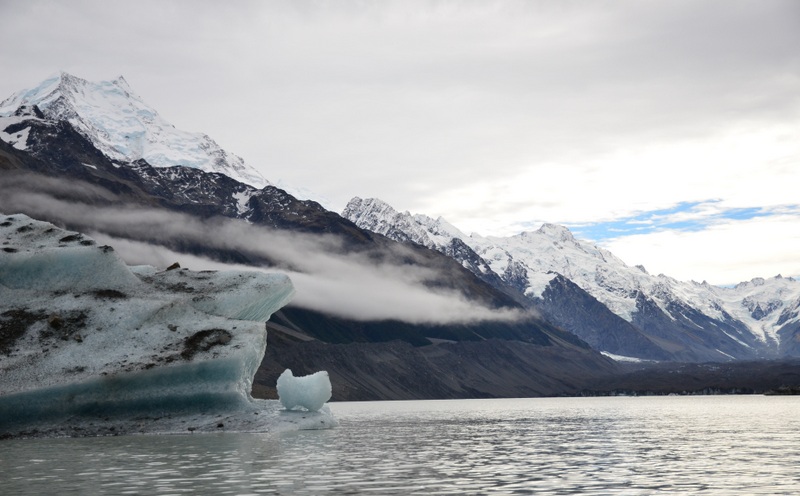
{"points": [[735, 169], [725, 251]]}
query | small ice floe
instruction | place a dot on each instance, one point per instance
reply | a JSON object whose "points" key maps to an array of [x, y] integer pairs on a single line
{"points": [[310, 392]]}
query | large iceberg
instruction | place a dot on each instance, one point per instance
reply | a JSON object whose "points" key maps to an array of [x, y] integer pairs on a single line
{"points": [[90, 346]]}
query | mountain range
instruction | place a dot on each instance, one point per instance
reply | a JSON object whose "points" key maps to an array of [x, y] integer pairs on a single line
{"points": [[616, 308], [93, 157]]}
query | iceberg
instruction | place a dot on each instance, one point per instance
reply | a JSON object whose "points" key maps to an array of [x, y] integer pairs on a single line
{"points": [[310, 392], [90, 346]]}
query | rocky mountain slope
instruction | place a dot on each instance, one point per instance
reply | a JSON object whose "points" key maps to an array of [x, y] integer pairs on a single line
{"points": [[617, 308]]}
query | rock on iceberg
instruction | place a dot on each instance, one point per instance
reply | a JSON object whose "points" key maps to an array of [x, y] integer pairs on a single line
{"points": [[90, 346]]}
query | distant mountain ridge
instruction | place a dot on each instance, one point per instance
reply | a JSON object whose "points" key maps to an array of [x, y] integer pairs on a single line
{"points": [[661, 316]]}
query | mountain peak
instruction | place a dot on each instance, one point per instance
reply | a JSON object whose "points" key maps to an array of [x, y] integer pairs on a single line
{"points": [[60, 84], [556, 231], [358, 208], [67, 78], [121, 125], [121, 81]]}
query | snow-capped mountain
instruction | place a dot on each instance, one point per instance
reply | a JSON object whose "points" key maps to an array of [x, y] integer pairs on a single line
{"points": [[377, 216], [753, 319], [121, 125]]}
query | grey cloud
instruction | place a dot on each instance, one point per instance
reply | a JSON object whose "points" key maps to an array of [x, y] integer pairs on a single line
{"points": [[414, 97], [415, 101]]}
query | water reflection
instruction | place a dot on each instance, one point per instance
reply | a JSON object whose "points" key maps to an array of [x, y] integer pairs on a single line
{"points": [[709, 445]]}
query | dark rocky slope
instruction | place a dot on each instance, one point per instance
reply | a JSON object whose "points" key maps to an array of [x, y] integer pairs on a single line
{"points": [[396, 370], [744, 377]]}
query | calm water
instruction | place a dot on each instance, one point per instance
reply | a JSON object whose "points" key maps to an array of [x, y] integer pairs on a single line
{"points": [[676, 445]]}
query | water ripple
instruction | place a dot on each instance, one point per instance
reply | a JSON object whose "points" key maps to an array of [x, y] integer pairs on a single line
{"points": [[623, 446]]}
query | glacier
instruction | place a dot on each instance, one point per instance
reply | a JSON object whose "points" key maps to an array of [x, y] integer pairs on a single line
{"points": [[90, 346]]}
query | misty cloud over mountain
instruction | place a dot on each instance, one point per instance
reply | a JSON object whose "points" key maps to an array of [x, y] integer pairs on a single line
{"points": [[361, 285]]}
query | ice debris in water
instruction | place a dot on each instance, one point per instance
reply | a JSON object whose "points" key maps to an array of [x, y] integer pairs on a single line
{"points": [[309, 392], [91, 346]]}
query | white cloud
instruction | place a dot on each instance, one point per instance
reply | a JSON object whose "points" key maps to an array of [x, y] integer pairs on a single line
{"points": [[727, 252], [344, 288], [742, 169]]}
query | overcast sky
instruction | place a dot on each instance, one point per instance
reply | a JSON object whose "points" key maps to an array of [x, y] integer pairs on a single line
{"points": [[668, 132]]}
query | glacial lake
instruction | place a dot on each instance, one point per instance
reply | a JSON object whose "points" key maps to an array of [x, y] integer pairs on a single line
{"points": [[623, 446]]}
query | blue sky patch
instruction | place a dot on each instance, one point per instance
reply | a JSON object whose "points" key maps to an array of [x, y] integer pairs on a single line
{"points": [[685, 216]]}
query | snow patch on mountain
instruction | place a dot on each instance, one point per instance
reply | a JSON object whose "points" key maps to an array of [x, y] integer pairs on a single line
{"points": [[622, 358], [538, 283], [241, 198], [17, 138], [121, 125]]}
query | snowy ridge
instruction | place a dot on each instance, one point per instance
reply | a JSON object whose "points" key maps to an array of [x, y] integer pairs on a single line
{"points": [[123, 127], [617, 285], [437, 234], [762, 306], [378, 216], [553, 249]]}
